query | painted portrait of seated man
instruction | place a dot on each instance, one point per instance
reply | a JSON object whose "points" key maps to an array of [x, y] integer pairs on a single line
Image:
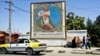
{"points": [[44, 18]]}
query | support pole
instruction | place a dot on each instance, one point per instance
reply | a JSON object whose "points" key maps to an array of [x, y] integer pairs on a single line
{"points": [[10, 12]]}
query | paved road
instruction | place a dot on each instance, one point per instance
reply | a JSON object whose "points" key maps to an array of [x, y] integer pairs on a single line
{"points": [[20, 54], [49, 54], [55, 52]]}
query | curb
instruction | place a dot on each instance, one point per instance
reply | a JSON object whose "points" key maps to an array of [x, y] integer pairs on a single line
{"points": [[86, 52], [77, 52], [48, 51], [96, 52], [61, 51], [82, 51]]}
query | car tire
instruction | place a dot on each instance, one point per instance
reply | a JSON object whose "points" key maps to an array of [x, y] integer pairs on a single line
{"points": [[29, 51], [37, 52], [0, 51], [14, 52], [3, 51]]}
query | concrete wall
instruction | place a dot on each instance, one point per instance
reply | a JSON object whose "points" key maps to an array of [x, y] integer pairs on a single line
{"points": [[60, 41], [49, 41], [73, 33], [53, 42]]}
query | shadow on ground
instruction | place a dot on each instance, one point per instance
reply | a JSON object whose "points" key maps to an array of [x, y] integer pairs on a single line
{"points": [[20, 53]]}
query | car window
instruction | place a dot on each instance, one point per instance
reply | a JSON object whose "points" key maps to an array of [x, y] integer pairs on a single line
{"points": [[16, 41], [20, 41], [26, 41], [34, 40]]}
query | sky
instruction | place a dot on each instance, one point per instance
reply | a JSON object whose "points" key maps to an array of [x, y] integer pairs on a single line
{"points": [[21, 20]]}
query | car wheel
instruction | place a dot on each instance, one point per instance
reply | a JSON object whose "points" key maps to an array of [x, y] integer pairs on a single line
{"points": [[29, 51], [0, 50], [37, 52], [3, 51], [14, 52]]}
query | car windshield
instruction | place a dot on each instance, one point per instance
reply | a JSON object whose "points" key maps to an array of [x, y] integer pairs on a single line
{"points": [[34, 40]]}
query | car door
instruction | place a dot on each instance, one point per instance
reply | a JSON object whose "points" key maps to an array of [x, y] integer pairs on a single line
{"points": [[13, 46], [22, 45]]}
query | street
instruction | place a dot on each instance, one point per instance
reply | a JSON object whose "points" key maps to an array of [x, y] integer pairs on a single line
{"points": [[48, 54], [52, 51]]}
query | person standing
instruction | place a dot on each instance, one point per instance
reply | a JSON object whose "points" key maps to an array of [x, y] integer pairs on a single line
{"points": [[88, 42], [83, 42], [78, 41], [74, 42]]}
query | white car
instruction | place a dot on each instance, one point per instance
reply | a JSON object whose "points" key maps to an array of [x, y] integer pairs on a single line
{"points": [[29, 46]]}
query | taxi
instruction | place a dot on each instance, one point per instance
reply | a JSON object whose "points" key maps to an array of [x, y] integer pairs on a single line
{"points": [[30, 46]]}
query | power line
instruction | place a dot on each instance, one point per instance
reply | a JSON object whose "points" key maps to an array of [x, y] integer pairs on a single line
{"points": [[86, 9], [28, 11], [21, 9], [15, 6], [21, 17]]}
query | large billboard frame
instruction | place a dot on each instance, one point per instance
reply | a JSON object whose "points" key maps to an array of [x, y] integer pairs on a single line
{"points": [[63, 10]]}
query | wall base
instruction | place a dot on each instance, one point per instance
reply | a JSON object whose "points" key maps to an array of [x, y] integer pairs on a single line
{"points": [[53, 42]]}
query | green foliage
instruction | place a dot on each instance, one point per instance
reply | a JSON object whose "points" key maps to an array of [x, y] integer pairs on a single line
{"points": [[75, 22], [97, 26], [94, 30], [94, 27], [97, 21]]}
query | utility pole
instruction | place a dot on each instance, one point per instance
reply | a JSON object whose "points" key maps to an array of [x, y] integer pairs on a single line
{"points": [[10, 14], [9, 18]]}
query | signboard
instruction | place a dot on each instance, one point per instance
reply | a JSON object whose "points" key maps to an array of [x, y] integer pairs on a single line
{"points": [[48, 20]]}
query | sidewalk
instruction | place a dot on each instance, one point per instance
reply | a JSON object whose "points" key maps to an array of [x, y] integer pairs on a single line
{"points": [[86, 51], [95, 51]]}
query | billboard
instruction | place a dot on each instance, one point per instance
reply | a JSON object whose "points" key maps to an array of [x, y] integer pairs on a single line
{"points": [[48, 20]]}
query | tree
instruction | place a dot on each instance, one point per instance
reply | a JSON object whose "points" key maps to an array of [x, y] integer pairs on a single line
{"points": [[79, 23], [69, 21], [97, 26], [91, 31], [94, 30], [89, 26], [97, 21], [75, 22]]}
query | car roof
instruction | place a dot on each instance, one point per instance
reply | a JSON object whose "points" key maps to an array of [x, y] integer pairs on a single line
{"points": [[23, 37]]}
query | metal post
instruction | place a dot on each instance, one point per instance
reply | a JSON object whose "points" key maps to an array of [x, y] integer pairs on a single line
{"points": [[10, 12]]}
